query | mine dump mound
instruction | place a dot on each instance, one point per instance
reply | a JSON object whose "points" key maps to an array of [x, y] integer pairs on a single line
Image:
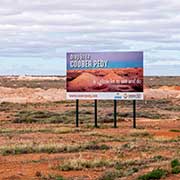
{"points": [[31, 95], [176, 88], [83, 80], [112, 76]]}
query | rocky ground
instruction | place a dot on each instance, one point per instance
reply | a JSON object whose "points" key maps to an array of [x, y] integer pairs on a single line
{"points": [[43, 89]]}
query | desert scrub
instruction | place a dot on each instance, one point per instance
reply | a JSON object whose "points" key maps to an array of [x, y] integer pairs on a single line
{"points": [[176, 170], [50, 117], [175, 164], [175, 130], [105, 103], [37, 117], [135, 146], [141, 134], [106, 119], [110, 175], [173, 108], [87, 104], [50, 148], [23, 131], [43, 117], [127, 171], [80, 164], [144, 114], [164, 140], [8, 106], [105, 137], [60, 130], [94, 146], [32, 148], [155, 174], [130, 171], [160, 103], [49, 177], [151, 115], [159, 158], [131, 166]]}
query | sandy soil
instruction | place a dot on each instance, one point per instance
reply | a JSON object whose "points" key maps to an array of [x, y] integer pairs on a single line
{"points": [[27, 166], [154, 144]]}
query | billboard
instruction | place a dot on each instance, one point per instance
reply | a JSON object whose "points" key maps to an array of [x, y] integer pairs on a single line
{"points": [[105, 75]]}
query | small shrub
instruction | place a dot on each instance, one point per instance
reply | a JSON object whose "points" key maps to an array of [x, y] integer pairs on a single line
{"points": [[150, 115], [175, 163], [85, 112], [110, 175], [176, 170], [131, 171], [79, 164], [38, 174], [144, 114], [175, 130], [140, 134], [94, 146], [118, 166], [173, 108], [159, 158], [49, 177], [52, 177], [38, 117], [155, 174]]}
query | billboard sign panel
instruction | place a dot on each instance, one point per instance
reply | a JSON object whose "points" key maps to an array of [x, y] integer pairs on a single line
{"points": [[105, 75]]}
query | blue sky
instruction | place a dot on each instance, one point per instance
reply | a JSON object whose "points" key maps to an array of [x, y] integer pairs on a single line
{"points": [[35, 35]]}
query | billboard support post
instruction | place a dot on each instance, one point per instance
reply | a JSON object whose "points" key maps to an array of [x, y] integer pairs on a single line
{"points": [[95, 113], [115, 114], [134, 113], [77, 113]]}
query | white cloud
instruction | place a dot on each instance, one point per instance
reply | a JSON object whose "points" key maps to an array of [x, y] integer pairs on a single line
{"points": [[169, 62], [49, 28]]}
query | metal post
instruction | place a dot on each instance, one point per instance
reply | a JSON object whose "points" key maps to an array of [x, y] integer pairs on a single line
{"points": [[115, 114], [77, 113], [95, 113], [134, 113]]}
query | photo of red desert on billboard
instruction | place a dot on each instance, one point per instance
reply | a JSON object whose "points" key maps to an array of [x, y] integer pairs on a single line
{"points": [[105, 72]]}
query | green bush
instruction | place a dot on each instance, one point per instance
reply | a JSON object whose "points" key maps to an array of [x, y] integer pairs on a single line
{"points": [[176, 170], [175, 163], [118, 166], [155, 174]]}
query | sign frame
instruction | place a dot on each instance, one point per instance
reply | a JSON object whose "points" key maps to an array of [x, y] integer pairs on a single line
{"points": [[75, 62]]}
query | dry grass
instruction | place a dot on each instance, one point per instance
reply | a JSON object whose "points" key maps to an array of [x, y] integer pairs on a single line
{"points": [[50, 148], [80, 164]]}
